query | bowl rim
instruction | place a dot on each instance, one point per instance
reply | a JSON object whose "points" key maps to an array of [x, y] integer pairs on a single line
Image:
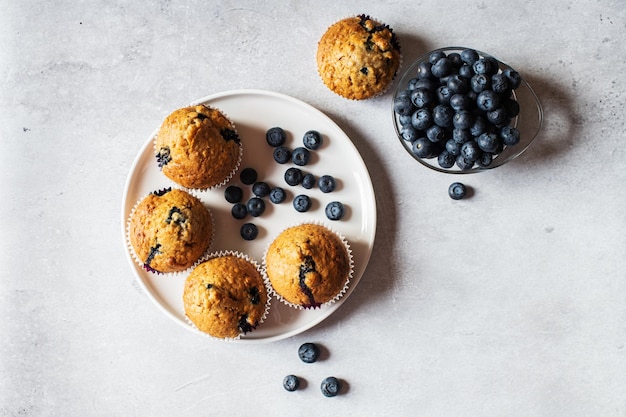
{"points": [[409, 72]]}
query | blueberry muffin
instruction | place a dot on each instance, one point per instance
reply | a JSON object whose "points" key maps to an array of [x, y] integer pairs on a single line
{"points": [[198, 147], [225, 296], [308, 265], [358, 57], [170, 230]]}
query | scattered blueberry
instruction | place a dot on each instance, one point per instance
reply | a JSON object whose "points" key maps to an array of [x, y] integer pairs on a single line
{"points": [[277, 195], [275, 136], [291, 383], [334, 210], [308, 181], [249, 231], [282, 155], [293, 176], [300, 156], [456, 191], [326, 183], [248, 176], [312, 140], [302, 203], [255, 206], [308, 352], [330, 386], [260, 189], [239, 211], [233, 194]]}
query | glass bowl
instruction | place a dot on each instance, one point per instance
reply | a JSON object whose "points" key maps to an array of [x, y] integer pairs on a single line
{"points": [[528, 121]]}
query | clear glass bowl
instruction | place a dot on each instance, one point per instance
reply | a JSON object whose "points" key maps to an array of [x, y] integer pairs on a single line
{"points": [[528, 121]]}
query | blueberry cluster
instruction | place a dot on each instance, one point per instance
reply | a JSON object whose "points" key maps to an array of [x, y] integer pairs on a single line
{"points": [[295, 176], [458, 108], [309, 353]]}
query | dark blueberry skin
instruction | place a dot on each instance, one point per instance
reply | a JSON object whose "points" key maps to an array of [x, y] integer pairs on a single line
{"points": [[510, 135], [291, 383], [422, 97], [479, 127], [233, 194], [330, 386], [444, 94], [453, 148], [404, 120], [456, 191], [300, 156], [511, 106], [488, 100], [422, 119], [326, 183], [480, 83], [436, 56], [403, 105], [464, 164], [409, 133], [442, 115], [485, 160], [426, 84], [309, 181], [312, 140], [463, 119], [499, 83], [461, 136], [282, 155], [461, 102], [277, 195], [293, 176], [446, 159], [275, 136], [239, 211], [334, 210], [466, 71], [497, 116], [261, 189], [489, 142], [248, 176], [249, 231], [469, 56], [442, 68], [424, 70], [423, 148], [513, 77], [255, 206], [436, 134], [302, 203], [458, 84], [485, 66], [455, 59], [309, 352], [470, 151]]}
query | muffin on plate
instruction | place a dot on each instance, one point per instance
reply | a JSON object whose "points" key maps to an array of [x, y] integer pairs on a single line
{"points": [[308, 265], [198, 147], [170, 230], [358, 57], [225, 296]]}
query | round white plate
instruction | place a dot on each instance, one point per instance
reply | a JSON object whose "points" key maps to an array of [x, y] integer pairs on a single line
{"points": [[254, 112]]}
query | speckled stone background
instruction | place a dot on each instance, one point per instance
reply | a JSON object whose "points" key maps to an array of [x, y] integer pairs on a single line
{"points": [[509, 303]]}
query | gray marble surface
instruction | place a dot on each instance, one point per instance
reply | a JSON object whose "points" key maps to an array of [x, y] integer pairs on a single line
{"points": [[507, 303]]}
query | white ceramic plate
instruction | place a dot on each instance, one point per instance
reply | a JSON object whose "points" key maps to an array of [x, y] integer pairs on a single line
{"points": [[254, 112]]}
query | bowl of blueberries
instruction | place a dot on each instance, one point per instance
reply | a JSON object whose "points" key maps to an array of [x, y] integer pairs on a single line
{"points": [[459, 110]]}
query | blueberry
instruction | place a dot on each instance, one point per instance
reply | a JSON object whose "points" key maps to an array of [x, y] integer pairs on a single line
{"points": [[334, 210], [483, 66], [255, 206], [453, 148], [436, 56], [487, 100], [275, 136], [277, 195], [444, 94], [436, 134], [458, 84], [456, 190], [291, 383], [423, 148], [421, 119], [308, 181], [308, 352], [463, 164], [469, 56], [479, 127], [282, 155], [480, 82], [426, 84], [239, 211], [497, 116], [460, 102], [513, 77], [463, 119], [163, 156], [466, 71], [442, 68], [424, 70], [410, 86], [470, 151], [442, 115], [485, 160], [404, 120], [510, 135], [233, 194], [312, 140], [403, 105], [302, 203], [249, 231], [422, 97], [326, 183], [293, 176], [461, 136], [260, 189], [499, 83], [330, 386], [248, 176], [446, 159], [455, 59], [511, 106], [409, 133], [488, 142], [300, 156]]}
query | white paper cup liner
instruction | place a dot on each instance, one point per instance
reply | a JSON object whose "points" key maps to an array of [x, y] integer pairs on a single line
{"points": [[136, 257], [339, 294], [247, 258]]}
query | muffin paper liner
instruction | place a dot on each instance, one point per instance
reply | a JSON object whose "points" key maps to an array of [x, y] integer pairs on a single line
{"points": [[395, 75], [341, 292], [247, 258], [132, 251], [195, 191]]}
